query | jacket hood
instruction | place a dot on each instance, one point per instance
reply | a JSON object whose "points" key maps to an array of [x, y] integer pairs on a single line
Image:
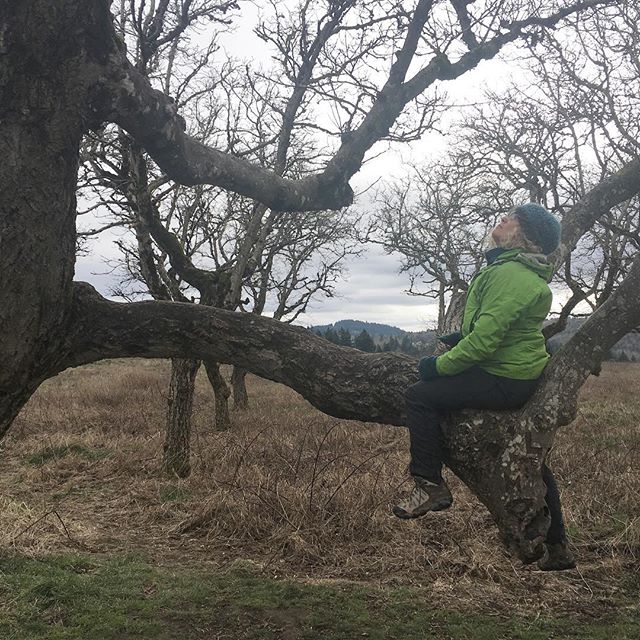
{"points": [[537, 262]]}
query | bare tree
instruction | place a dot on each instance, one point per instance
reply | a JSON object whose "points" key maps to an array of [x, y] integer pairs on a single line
{"points": [[515, 146], [436, 219], [57, 87], [302, 259], [193, 231], [122, 178]]}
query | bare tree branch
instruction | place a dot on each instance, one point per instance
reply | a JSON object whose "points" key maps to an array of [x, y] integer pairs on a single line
{"points": [[151, 118], [615, 189]]}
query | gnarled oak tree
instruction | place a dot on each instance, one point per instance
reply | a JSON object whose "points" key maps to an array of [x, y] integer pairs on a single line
{"points": [[63, 72]]}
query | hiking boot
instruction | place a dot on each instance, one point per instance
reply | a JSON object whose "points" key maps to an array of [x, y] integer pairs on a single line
{"points": [[557, 557], [425, 496]]}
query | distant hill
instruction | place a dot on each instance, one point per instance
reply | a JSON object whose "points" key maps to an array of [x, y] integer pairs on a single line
{"points": [[354, 327], [381, 337]]}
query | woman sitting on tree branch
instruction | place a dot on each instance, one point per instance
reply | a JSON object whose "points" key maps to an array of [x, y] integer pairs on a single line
{"points": [[494, 363]]}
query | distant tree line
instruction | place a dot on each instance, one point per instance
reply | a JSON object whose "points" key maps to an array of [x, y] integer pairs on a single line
{"points": [[424, 342], [364, 341]]}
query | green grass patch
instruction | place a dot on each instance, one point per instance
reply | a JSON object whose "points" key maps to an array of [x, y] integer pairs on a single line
{"points": [[73, 596], [47, 454]]}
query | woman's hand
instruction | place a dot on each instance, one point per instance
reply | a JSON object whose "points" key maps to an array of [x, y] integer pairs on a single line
{"points": [[427, 368], [451, 339]]}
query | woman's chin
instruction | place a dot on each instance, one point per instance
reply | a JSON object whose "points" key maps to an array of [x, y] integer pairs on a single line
{"points": [[489, 243]]}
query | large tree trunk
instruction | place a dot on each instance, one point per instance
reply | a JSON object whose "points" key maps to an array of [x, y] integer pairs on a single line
{"points": [[239, 387], [44, 74], [177, 444], [221, 391]]}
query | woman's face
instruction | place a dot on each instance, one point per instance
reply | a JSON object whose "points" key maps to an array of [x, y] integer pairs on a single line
{"points": [[505, 229]]}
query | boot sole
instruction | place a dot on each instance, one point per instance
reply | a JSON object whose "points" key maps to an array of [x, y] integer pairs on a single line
{"points": [[405, 515]]}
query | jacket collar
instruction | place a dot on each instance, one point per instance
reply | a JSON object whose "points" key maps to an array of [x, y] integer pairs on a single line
{"points": [[493, 254], [538, 263]]}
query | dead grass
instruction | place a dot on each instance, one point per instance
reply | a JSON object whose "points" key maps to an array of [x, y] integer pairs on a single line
{"points": [[305, 495]]}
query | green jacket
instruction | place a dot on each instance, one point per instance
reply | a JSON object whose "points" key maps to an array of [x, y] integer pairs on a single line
{"points": [[507, 302]]}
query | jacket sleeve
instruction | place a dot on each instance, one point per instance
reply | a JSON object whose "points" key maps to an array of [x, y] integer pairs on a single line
{"points": [[499, 306]]}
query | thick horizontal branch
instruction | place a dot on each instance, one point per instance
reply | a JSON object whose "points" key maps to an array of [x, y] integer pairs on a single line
{"points": [[340, 381], [343, 382]]}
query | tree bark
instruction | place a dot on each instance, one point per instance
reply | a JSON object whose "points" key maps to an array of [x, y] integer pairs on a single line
{"points": [[177, 444], [616, 188], [46, 76], [452, 320], [239, 387], [221, 391]]}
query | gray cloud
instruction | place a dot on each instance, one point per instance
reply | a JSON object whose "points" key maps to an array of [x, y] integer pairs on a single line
{"points": [[374, 291]]}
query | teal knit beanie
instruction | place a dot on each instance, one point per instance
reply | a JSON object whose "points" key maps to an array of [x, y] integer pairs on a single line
{"points": [[539, 226]]}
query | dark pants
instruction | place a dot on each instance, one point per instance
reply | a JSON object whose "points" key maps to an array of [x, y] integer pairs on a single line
{"points": [[472, 389]]}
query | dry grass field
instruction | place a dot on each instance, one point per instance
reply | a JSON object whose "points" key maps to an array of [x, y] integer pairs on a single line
{"points": [[307, 497]]}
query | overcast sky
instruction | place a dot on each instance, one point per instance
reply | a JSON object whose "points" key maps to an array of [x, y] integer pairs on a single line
{"points": [[372, 289]]}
